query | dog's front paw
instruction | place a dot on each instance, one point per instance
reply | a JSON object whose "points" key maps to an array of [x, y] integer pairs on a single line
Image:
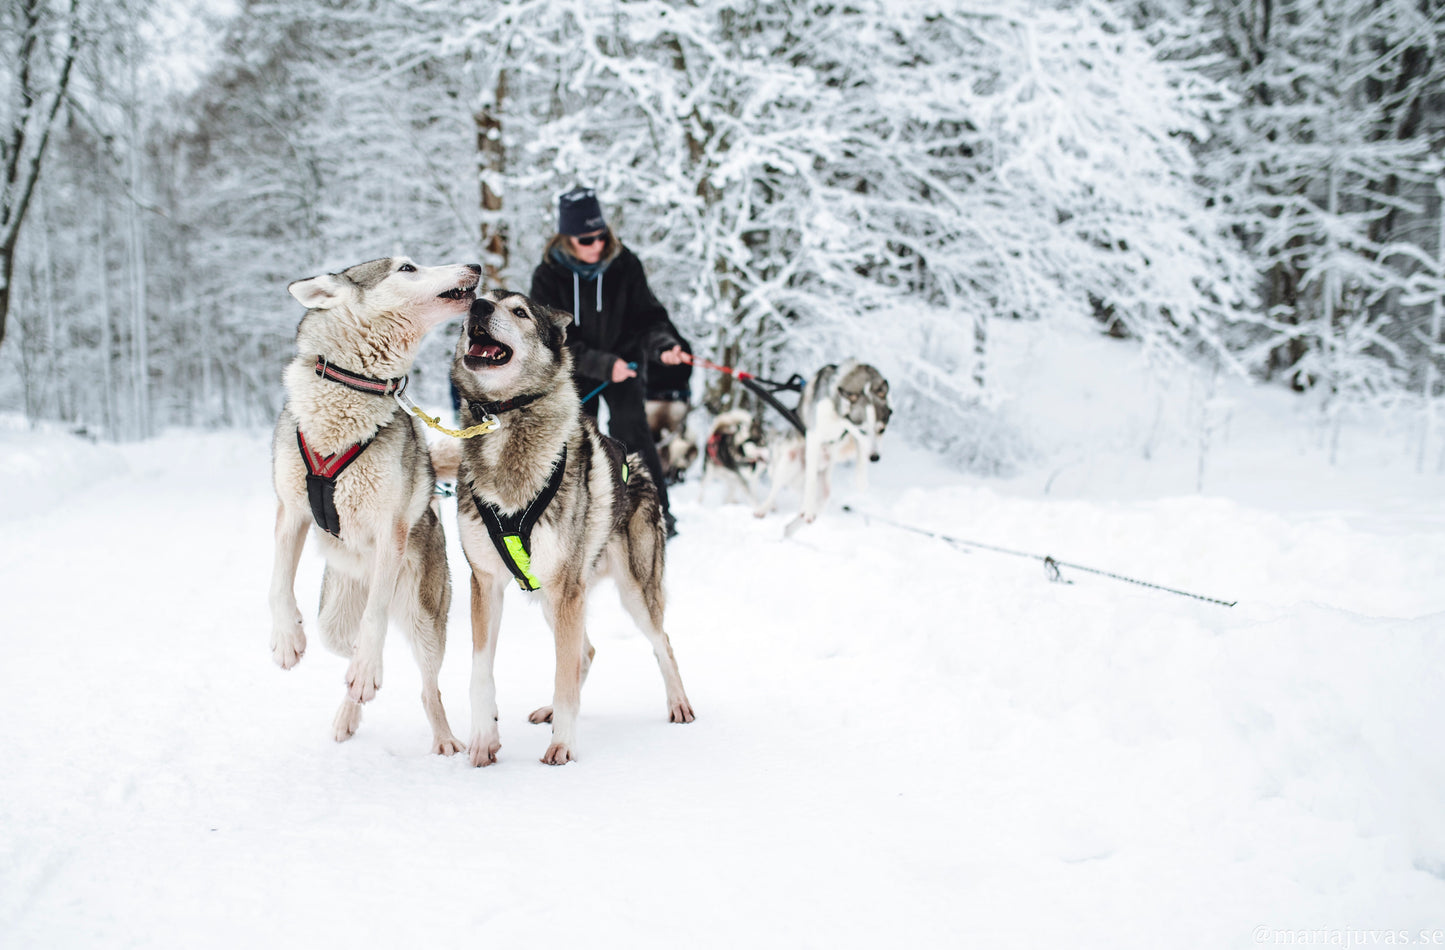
{"points": [[288, 646], [539, 716], [680, 710], [363, 678], [484, 748], [558, 753]]}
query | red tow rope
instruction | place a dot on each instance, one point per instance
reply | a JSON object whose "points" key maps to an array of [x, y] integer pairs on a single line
{"points": [[708, 364], [764, 389]]}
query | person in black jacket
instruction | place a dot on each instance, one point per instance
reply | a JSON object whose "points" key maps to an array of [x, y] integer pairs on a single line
{"points": [[616, 320]]}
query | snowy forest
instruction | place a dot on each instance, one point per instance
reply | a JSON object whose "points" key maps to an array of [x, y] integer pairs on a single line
{"points": [[1249, 187]]}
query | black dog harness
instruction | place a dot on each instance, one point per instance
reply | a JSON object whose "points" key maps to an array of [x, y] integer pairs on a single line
{"points": [[323, 470], [512, 534]]}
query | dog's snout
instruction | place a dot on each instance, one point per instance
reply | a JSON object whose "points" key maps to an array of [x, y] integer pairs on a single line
{"points": [[475, 269], [482, 307], [873, 457]]}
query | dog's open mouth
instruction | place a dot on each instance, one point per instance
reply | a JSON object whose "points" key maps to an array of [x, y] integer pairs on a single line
{"points": [[486, 352], [462, 292]]}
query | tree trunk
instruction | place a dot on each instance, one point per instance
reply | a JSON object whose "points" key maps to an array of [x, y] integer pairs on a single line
{"points": [[50, 391], [980, 348], [33, 123], [1437, 317], [107, 354], [491, 166], [139, 337], [7, 274]]}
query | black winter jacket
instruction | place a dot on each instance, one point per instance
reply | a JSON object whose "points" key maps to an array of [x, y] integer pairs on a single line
{"points": [[631, 324]]}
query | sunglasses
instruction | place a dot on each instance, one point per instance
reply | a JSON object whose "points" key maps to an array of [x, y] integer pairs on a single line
{"points": [[591, 239]]}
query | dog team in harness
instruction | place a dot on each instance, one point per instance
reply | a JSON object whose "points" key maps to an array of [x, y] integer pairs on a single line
{"points": [[545, 499]]}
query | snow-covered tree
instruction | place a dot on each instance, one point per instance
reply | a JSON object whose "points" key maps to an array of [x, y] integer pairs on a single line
{"points": [[39, 40], [808, 182], [1312, 168]]}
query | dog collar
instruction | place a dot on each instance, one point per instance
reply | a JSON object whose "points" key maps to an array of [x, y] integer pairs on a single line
{"points": [[482, 409], [362, 384]]}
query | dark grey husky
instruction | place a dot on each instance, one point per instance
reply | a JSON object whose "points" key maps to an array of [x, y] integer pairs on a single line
{"points": [[547, 502]]}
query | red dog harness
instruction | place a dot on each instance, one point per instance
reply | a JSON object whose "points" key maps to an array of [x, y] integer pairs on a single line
{"points": [[321, 474], [323, 470]]}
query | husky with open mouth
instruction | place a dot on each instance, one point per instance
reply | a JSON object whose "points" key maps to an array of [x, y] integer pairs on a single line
{"points": [[348, 462], [549, 503]]}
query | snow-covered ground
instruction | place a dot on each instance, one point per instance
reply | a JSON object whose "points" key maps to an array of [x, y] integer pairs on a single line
{"points": [[898, 743]]}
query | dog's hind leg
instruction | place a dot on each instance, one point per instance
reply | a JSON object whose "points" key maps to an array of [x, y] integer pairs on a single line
{"points": [[566, 612], [426, 596], [544, 713], [639, 584], [487, 593], [343, 597], [783, 471], [347, 719], [363, 676], [771, 502], [815, 479], [288, 636]]}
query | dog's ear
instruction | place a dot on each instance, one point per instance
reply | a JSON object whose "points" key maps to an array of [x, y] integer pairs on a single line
{"points": [[558, 318], [317, 293]]}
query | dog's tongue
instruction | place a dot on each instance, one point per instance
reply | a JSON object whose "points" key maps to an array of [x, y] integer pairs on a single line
{"points": [[488, 351]]}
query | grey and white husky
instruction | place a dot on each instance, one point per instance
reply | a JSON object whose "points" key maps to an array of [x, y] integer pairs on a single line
{"points": [[548, 502], [347, 460], [845, 411]]}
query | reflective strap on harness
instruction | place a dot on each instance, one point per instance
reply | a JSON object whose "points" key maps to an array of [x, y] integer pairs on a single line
{"points": [[321, 474], [512, 534], [521, 561]]}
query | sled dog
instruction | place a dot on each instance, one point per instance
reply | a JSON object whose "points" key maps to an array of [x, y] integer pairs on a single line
{"points": [[667, 421], [735, 455], [348, 461], [677, 451], [549, 503], [845, 411], [669, 398]]}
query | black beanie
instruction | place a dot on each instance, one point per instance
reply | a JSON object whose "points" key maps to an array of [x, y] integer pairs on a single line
{"points": [[579, 213]]}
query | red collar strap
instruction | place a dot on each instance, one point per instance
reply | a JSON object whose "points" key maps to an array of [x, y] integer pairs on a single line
{"points": [[363, 384]]}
